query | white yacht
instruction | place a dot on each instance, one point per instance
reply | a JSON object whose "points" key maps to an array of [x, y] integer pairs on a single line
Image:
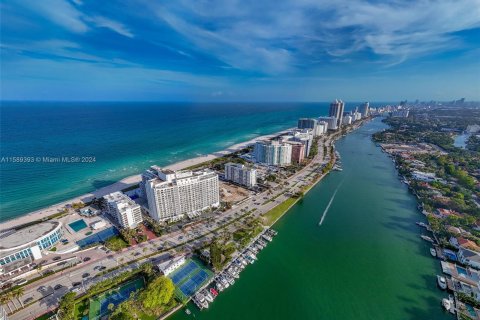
{"points": [[442, 282], [433, 252]]}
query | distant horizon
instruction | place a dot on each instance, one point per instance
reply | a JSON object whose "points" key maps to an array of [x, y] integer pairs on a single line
{"points": [[234, 101]]}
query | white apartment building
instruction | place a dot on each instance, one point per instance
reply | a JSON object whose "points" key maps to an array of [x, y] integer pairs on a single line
{"points": [[124, 210], [322, 127], [347, 120], [273, 153], [172, 195], [241, 174], [331, 122], [356, 116]]}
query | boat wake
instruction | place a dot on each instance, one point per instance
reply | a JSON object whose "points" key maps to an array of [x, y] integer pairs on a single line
{"points": [[329, 204]]}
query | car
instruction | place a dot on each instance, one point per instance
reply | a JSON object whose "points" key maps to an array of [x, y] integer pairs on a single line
{"points": [[76, 284], [19, 282], [42, 288], [29, 299], [137, 254], [86, 275], [57, 258], [58, 287], [86, 259]]}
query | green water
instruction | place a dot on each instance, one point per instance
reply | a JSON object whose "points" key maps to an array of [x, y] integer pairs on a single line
{"points": [[366, 261]]}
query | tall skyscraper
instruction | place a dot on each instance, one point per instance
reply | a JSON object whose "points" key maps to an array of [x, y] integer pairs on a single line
{"points": [[173, 195], [336, 110], [365, 110]]}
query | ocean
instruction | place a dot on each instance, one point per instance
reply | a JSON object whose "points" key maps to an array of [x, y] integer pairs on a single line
{"points": [[121, 139]]}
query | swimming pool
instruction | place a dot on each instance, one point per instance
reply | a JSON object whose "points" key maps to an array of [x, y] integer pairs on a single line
{"points": [[78, 225], [462, 271], [471, 310]]}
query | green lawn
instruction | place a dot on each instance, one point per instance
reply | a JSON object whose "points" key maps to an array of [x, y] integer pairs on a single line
{"points": [[81, 308], [275, 213], [116, 243]]}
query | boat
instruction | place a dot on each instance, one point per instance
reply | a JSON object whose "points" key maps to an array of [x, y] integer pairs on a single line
{"points": [[442, 282], [219, 285], [213, 292], [266, 237], [421, 224], [208, 295], [427, 238], [448, 304], [433, 252]]}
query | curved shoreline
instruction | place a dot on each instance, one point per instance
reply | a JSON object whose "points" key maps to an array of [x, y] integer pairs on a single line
{"points": [[123, 184]]}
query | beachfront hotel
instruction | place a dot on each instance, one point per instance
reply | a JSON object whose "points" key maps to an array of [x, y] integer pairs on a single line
{"points": [[173, 194], [124, 210], [241, 174], [20, 247], [273, 153]]}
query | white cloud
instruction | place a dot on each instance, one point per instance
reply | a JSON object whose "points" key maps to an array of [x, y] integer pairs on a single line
{"points": [[275, 37], [61, 13], [112, 25]]}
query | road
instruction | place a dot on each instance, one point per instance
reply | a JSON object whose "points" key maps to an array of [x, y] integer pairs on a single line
{"points": [[41, 296]]}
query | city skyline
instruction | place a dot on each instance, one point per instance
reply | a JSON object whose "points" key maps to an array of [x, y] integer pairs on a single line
{"points": [[229, 51]]}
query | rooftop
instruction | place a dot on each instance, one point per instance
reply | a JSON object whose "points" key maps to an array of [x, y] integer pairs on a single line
{"points": [[16, 238]]}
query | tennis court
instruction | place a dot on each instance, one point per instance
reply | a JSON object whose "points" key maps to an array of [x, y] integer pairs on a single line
{"points": [[99, 304], [183, 272], [189, 278]]}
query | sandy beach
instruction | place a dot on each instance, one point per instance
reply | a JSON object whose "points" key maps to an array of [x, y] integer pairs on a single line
{"points": [[125, 183]]}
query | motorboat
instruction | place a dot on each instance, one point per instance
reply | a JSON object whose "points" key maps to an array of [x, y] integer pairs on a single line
{"points": [[449, 304], [442, 282], [433, 252], [426, 238]]}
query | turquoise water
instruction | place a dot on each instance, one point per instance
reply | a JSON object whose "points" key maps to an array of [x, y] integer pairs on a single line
{"points": [[124, 138], [78, 225]]}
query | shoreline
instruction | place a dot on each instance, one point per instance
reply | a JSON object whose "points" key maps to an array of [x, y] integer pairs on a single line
{"points": [[124, 183]]}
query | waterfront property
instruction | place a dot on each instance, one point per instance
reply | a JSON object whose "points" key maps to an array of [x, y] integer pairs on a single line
{"points": [[27, 244], [124, 210], [331, 122], [241, 174], [273, 153], [172, 195]]}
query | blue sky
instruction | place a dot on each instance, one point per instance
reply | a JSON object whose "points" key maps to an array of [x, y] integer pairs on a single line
{"points": [[291, 50]]}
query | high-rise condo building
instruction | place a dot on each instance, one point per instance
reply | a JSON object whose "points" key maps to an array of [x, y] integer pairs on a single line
{"points": [[330, 121], [124, 210], [365, 110], [336, 110], [347, 120], [172, 195], [298, 152], [273, 153], [306, 123], [322, 127], [241, 174]]}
